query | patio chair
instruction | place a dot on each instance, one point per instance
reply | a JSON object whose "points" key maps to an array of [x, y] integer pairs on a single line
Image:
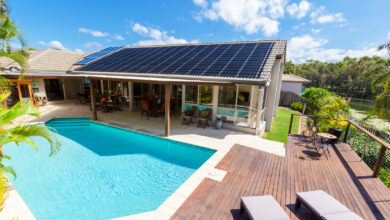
{"points": [[319, 145], [145, 108], [204, 117], [324, 206], [188, 115], [262, 207]]}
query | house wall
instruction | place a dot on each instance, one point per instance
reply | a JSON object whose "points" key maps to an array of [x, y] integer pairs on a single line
{"points": [[292, 87], [41, 88]]}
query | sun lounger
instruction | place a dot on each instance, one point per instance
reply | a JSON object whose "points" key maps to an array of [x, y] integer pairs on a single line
{"points": [[325, 206], [262, 207]]}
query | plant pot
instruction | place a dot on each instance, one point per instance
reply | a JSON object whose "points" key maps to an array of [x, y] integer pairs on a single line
{"points": [[336, 132], [218, 123]]}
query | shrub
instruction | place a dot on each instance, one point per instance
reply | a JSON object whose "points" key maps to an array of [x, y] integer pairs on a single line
{"points": [[298, 106], [314, 96], [384, 175]]}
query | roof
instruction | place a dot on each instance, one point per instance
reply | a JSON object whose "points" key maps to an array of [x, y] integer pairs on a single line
{"points": [[45, 61], [244, 61], [294, 78]]}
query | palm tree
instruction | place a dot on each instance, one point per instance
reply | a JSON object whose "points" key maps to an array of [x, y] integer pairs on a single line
{"points": [[385, 46], [19, 132], [4, 10], [9, 31]]}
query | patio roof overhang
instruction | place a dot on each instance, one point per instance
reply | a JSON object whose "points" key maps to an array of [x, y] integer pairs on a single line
{"points": [[172, 79], [141, 79]]}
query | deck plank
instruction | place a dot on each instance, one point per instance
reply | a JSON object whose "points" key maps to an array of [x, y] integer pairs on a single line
{"points": [[251, 172]]}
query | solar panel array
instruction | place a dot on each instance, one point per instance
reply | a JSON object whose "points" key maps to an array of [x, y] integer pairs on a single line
{"points": [[242, 60], [98, 54]]}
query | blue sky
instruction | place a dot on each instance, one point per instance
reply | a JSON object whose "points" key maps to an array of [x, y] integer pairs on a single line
{"points": [[324, 30]]}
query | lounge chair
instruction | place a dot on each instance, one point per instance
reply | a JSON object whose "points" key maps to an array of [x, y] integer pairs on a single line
{"points": [[262, 207], [325, 206]]}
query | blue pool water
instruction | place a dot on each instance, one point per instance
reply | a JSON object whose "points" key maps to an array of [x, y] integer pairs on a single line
{"points": [[101, 172]]}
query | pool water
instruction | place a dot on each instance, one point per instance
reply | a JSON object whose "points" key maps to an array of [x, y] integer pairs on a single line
{"points": [[101, 172]]}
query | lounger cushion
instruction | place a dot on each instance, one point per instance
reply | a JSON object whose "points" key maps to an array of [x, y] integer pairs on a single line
{"points": [[321, 202], [343, 216], [263, 207]]}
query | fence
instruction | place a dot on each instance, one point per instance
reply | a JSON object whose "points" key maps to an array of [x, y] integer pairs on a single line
{"points": [[287, 98]]}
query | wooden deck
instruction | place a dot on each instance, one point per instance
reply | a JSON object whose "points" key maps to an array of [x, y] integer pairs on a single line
{"points": [[251, 172]]}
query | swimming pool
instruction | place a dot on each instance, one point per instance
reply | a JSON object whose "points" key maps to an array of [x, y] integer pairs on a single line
{"points": [[101, 172]]}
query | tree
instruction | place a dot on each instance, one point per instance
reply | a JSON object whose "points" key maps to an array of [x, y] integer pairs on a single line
{"points": [[9, 31]]}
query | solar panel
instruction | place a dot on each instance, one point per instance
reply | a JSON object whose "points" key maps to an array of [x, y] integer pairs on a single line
{"points": [[243, 60], [98, 54]]}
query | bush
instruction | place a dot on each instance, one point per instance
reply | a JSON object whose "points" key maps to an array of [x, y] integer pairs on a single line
{"points": [[384, 175], [314, 96], [298, 106]]}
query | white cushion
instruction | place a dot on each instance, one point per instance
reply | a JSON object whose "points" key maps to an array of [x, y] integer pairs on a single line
{"points": [[343, 216], [263, 207], [321, 202]]}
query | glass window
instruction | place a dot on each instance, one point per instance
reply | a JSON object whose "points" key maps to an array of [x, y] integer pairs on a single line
{"points": [[191, 94], [243, 98], [205, 94], [227, 96]]}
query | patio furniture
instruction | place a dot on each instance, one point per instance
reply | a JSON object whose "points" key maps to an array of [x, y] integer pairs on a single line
{"points": [[204, 117], [188, 115], [145, 108], [319, 145], [262, 207], [324, 205]]}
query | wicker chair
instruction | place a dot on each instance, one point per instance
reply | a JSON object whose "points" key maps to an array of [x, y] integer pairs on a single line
{"points": [[204, 117]]}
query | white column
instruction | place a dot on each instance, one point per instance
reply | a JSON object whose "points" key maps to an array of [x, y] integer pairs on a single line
{"points": [[271, 94], [215, 102], [259, 108], [279, 89], [183, 98], [252, 105], [131, 102]]}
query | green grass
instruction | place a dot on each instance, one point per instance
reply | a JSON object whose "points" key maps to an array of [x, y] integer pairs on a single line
{"points": [[281, 124]]}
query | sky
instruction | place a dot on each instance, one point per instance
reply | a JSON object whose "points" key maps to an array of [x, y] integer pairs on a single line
{"points": [[321, 30]]}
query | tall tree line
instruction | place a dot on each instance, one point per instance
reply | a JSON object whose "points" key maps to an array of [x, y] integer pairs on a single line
{"points": [[363, 78]]}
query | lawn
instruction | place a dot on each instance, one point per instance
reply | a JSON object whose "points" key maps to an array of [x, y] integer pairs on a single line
{"points": [[281, 124]]}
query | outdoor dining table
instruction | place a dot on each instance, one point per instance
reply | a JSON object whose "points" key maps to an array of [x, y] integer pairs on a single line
{"points": [[327, 136]]}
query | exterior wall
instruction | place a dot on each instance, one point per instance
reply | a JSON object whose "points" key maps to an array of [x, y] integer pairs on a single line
{"points": [[41, 88], [292, 87], [272, 93]]}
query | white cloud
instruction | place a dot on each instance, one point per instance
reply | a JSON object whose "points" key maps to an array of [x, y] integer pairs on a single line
{"points": [[388, 35], [299, 11], [315, 31], [157, 37], [201, 3], [93, 33], [53, 45], [93, 44], [306, 47], [250, 16], [320, 16], [118, 37], [137, 28]]}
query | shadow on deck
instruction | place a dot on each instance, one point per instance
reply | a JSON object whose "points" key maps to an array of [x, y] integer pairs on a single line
{"points": [[251, 172]]}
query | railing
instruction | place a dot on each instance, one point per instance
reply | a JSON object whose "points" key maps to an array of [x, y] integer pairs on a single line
{"points": [[383, 144]]}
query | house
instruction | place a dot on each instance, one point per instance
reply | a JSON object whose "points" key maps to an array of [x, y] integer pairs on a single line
{"points": [[293, 83], [239, 82], [44, 68]]}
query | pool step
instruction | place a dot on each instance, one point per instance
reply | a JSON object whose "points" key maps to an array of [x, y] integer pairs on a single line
{"points": [[68, 122]]}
